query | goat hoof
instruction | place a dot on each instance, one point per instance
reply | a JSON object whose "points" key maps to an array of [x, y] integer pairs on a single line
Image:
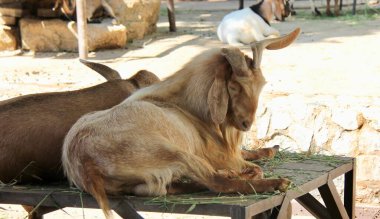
{"points": [[276, 147], [283, 184]]}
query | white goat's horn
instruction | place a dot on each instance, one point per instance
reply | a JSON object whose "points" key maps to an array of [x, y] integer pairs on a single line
{"points": [[272, 44]]}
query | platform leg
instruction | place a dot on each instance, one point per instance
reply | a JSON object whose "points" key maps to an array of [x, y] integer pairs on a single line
{"points": [[125, 210], [332, 201], [313, 206], [350, 191]]}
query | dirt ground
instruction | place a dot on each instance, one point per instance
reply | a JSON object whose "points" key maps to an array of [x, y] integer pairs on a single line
{"points": [[333, 56]]}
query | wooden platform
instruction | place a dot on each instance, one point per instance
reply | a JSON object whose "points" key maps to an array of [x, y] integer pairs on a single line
{"points": [[306, 173]]}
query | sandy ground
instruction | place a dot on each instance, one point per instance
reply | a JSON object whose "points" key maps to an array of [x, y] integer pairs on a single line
{"points": [[333, 56]]}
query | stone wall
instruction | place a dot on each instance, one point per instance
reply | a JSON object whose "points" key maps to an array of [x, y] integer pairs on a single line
{"points": [[331, 125], [139, 16]]}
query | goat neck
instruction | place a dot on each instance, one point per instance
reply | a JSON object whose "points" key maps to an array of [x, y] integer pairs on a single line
{"points": [[259, 9]]}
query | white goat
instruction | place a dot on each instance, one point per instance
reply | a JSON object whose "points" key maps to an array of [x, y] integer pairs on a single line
{"points": [[252, 24], [190, 125]]}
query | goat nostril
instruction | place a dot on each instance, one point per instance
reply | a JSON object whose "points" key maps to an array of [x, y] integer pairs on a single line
{"points": [[245, 124]]}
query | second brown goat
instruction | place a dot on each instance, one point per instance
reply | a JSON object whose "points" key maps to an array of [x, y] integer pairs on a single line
{"points": [[32, 127]]}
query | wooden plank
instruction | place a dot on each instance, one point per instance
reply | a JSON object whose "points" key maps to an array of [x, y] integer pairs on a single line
{"points": [[47, 13], [12, 10], [332, 201], [7, 20], [313, 206], [350, 191]]}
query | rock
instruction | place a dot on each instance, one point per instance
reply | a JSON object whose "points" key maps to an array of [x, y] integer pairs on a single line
{"points": [[347, 118], [8, 39], [369, 140], [368, 167], [139, 16], [298, 107], [345, 143], [321, 136], [262, 125], [373, 115], [284, 142], [280, 120], [321, 127], [302, 136], [56, 35]]}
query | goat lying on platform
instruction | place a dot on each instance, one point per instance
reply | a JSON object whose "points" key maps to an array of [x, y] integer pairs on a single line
{"points": [[32, 127], [189, 125], [252, 24]]}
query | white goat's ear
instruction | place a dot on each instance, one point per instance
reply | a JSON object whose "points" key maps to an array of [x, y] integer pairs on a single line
{"points": [[217, 99]]}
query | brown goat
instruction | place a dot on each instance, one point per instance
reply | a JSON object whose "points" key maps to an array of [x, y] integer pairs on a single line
{"points": [[189, 125], [32, 127]]}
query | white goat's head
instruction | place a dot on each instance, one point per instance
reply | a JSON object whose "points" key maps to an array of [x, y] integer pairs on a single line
{"points": [[234, 98]]}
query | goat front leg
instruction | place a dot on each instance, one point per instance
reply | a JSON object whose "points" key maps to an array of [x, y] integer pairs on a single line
{"points": [[184, 188], [267, 153], [248, 173], [221, 183]]}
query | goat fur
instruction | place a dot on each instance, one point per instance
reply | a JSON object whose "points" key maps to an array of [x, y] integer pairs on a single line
{"points": [[189, 125], [32, 127]]}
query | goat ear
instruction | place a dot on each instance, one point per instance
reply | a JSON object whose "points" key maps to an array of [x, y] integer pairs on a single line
{"points": [[108, 73], [217, 99], [237, 61]]}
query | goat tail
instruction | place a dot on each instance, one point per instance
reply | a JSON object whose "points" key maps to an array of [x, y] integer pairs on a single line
{"points": [[94, 184]]}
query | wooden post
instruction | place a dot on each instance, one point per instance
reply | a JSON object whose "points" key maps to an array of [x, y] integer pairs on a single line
{"points": [[350, 190], [171, 16], [82, 29], [241, 4]]}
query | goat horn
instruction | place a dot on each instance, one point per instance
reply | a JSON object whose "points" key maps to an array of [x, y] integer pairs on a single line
{"points": [[237, 60], [272, 44]]}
